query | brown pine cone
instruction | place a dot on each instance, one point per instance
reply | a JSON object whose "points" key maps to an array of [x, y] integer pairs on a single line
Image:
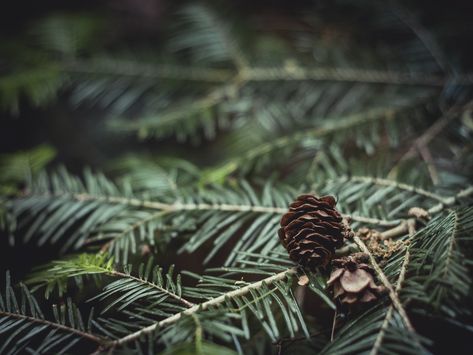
{"points": [[352, 280], [312, 230]]}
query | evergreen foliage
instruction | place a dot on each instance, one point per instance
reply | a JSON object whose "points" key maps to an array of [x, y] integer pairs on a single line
{"points": [[178, 253]]}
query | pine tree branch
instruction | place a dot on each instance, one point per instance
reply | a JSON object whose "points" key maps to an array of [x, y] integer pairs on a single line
{"points": [[434, 130], [449, 201], [216, 207], [393, 183], [202, 306], [116, 67], [296, 73], [152, 285], [208, 101], [451, 244], [58, 326], [335, 125], [400, 280], [424, 36], [390, 312], [445, 202], [128, 230], [392, 292]]}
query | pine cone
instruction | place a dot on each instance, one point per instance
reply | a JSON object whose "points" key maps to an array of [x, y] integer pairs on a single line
{"points": [[312, 230], [352, 280]]}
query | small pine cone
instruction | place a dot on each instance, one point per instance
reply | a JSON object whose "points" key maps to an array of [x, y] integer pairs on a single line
{"points": [[312, 230], [352, 280]]}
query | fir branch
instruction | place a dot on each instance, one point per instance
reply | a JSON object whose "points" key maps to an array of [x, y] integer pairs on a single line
{"points": [[331, 127], [389, 314], [128, 68], [424, 36], [93, 264], [96, 339], [151, 285], [398, 185], [392, 292], [215, 207], [450, 201], [298, 73], [434, 130], [134, 227], [169, 120], [202, 306]]}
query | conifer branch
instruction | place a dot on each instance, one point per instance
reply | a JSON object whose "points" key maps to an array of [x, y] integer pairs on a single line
{"points": [[128, 230], [398, 185], [148, 71], [202, 306], [345, 123], [382, 277], [296, 73], [402, 274], [55, 325], [217, 207], [152, 285], [449, 201]]}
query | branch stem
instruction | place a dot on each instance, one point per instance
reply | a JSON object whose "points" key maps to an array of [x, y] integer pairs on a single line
{"points": [[202, 306], [382, 277], [152, 285], [62, 327]]}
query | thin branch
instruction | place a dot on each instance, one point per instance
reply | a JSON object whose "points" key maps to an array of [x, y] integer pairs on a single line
{"points": [[392, 293], [449, 201], [400, 229], [332, 126], [202, 306], [296, 73], [62, 327], [125, 232], [424, 36], [390, 312], [422, 142], [148, 71], [445, 202], [451, 244], [424, 152], [393, 183], [216, 207], [208, 101], [152, 285]]}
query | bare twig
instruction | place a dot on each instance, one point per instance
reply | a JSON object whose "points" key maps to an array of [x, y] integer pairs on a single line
{"points": [[400, 229], [334, 324]]}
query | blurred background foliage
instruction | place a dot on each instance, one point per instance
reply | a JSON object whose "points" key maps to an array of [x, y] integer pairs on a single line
{"points": [[227, 101]]}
